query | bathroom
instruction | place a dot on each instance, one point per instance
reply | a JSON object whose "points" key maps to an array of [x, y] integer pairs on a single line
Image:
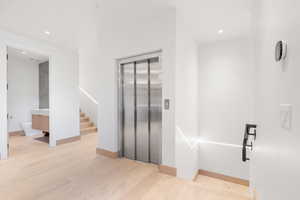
{"points": [[27, 96]]}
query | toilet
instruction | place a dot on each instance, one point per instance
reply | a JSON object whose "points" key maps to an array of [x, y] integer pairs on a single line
{"points": [[27, 128]]}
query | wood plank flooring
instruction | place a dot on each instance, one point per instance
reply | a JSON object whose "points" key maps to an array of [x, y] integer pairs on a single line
{"points": [[74, 172]]}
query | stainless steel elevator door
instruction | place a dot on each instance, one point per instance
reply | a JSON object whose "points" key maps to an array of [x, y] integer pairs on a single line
{"points": [[141, 110], [155, 110], [128, 111], [142, 107]]}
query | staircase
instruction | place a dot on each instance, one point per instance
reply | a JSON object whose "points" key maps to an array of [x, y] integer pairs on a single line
{"points": [[86, 126]]}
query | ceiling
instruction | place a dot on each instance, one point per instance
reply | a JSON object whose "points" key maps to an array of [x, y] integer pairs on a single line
{"points": [[64, 18], [204, 18], [33, 17], [27, 55]]}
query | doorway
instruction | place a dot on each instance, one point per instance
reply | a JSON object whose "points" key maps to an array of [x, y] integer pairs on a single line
{"points": [[27, 98], [140, 108]]}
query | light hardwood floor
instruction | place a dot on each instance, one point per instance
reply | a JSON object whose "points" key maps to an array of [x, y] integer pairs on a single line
{"points": [[74, 171]]}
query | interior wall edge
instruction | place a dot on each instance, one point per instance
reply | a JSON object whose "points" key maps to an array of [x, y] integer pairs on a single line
{"points": [[3, 101]]}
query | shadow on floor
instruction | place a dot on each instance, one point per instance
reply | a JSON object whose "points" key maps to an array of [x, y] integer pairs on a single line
{"points": [[43, 139]]}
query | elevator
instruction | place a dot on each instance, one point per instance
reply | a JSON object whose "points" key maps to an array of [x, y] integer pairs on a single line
{"points": [[140, 109]]}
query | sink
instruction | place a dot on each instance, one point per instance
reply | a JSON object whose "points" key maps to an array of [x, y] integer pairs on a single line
{"points": [[44, 112]]}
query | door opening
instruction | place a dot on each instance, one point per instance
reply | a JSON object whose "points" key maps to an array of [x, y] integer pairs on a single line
{"points": [[27, 98]]}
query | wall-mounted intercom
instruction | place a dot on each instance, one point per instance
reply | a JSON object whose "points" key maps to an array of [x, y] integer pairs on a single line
{"points": [[280, 50]]}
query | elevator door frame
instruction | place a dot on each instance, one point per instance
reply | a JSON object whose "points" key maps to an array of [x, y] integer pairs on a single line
{"points": [[119, 63]]}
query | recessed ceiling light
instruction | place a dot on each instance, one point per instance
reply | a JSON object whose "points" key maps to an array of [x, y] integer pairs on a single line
{"points": [[23, 52], [220, 31], [47, 32]]}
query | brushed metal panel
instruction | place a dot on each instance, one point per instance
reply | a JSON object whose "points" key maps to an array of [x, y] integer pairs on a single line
{"points": [[142, 106], [128, 111], [141, 110], [155, 110]]}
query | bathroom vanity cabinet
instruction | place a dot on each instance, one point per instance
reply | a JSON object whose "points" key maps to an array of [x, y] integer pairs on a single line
{"points": [[40, 120]]}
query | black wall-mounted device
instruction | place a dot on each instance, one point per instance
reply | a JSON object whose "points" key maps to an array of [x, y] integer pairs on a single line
{"points": [[280, 50]]}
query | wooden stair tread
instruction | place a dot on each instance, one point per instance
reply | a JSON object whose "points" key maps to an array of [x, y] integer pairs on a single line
{"points": [[88, 130], [88, 122], [86, 126], [84, 119]]}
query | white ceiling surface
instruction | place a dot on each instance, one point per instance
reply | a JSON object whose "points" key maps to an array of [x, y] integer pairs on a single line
{"points": [[33, 17], [27, 55], [205, 18], [64, 18]]}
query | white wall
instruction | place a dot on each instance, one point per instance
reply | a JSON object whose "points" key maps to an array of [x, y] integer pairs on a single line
{"points": [[186, 114], [88, 48], [275, 162], [64, 92], [89, 61], [23, 93], [226, 97], [132, 28], [3, 101]]}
